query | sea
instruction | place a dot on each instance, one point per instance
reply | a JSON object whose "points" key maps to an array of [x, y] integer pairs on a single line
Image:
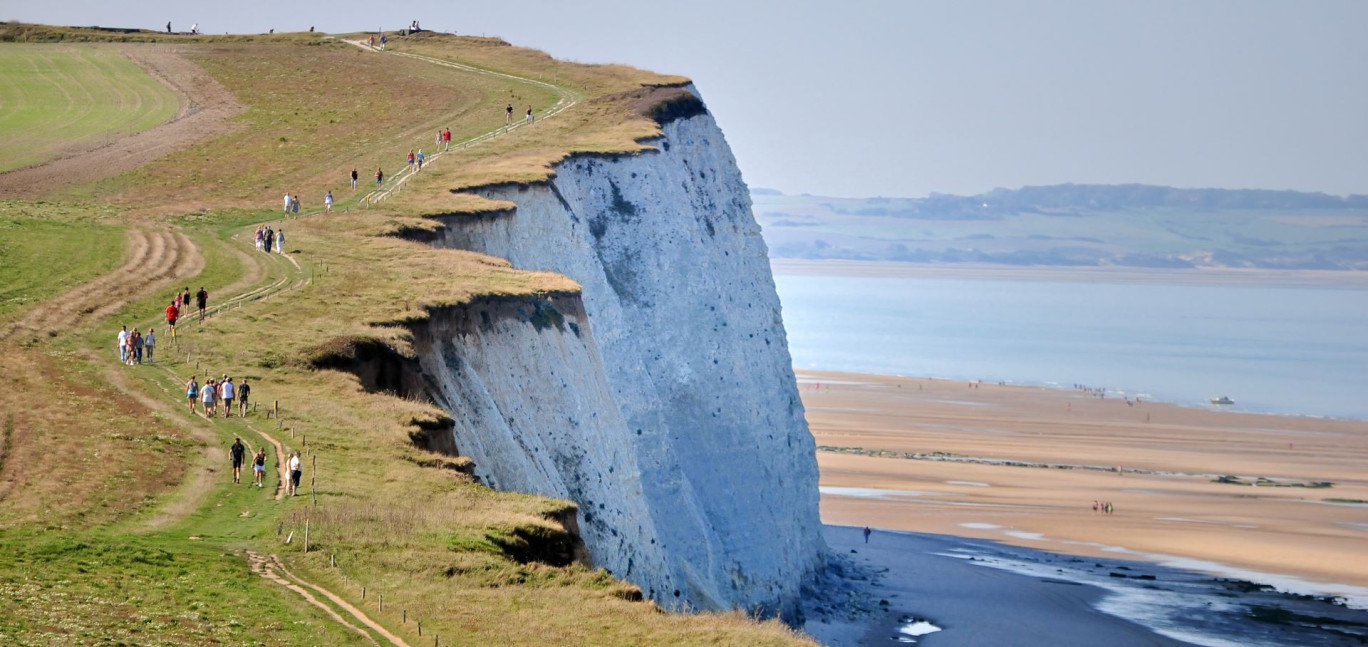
{"points": [[1276, 348]]}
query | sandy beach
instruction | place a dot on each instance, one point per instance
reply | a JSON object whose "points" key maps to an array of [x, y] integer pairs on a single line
{"points": [[1023, 465]]}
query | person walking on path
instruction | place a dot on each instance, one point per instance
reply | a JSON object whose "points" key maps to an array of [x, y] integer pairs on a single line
{"points": [[294, 208], [280, 241], [379, 177], [410, 160], [296, 471], [172, 313], [150, 344], [202, 300], [208, 397], [238, 452], [421, 157], [123, 344], [244, 392], [289, 200], [259, 465], [268, 237], [446, 139], [226, 394], [136, 344], [383, 41], [529, 115], [327, 202], [354, 177], [508, 115], [192, 392], [185, 300]]}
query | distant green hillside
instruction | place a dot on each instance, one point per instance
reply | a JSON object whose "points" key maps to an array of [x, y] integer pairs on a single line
{"points": [[1077, 225]]}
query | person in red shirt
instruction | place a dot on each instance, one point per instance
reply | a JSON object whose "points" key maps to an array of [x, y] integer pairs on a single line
{"points": [[172, 314]]}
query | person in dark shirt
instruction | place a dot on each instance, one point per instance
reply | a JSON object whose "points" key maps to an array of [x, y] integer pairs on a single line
{"points": [[238, 452]]}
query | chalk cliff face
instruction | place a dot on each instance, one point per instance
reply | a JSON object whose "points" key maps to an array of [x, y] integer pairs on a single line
{"points": [[664, 403]]}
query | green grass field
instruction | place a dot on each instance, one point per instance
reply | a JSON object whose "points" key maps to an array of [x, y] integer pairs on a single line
{"points": [[62, 97], [67, 254]]}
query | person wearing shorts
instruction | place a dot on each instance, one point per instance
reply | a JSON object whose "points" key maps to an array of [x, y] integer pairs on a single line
{"points": [[259, 466], [238, 452], [208, 395], [296, 471], [244, 392], [192, 392], [226, 393]]}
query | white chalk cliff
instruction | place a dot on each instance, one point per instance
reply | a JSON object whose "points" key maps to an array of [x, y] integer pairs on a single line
{"points": [[662, 400]]}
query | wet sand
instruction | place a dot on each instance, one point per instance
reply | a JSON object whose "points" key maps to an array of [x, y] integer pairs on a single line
{"points": [[1168, 509]]}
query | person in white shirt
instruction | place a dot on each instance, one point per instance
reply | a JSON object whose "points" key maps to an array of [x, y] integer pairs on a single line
{"points": [[123, 345], [226, 394], [280, 241], [288, 201], [296, 471], [327, 202]]}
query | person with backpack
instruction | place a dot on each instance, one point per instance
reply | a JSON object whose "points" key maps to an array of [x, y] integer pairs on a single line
{"points": [[244, 392]]}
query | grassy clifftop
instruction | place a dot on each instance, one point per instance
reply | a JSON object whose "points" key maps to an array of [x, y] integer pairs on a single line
{"points": [[117, 504]]}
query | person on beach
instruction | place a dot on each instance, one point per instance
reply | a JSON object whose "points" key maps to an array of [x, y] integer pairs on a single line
{"points": [[226, 394], [192, 392], [259, 465], [123, 344], [508, 115], [379, 177], [208, 397], [867, 533], [202, 300], [238, 451], [280, 241], [150, 343], [244, 392], [296, 471], [354, 177], [327, 202]]}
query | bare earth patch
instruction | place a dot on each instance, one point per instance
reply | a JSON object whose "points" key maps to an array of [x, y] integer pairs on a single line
{"points": [[205, 109]]}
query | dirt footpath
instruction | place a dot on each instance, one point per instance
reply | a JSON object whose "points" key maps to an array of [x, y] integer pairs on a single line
{"points": [[205, 108]]}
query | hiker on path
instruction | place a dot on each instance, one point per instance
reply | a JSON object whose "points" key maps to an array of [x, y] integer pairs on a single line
{"points": [[327, 202], [354, 177], [372, 42], [238, 452], [267, 238], [410, 160], [244, 392], [437, 144], [280, 241], [259, 465], [296, 471], [383, 40], [168, 27], [508, 115], [529, 115], [123, 345], [150, 343], [209, 398], [185, 299], [379, 177], [295, 207], [420, 159], [192, 392], [172, 313], [446, 139], [202, 299], [226, 394], [289, 200], [257, 237], [136, 343]]}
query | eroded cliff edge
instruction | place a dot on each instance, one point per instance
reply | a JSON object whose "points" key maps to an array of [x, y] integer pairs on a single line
{"points": [[663, 403]]}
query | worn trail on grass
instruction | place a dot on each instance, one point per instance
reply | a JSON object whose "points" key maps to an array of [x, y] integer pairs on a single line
{"points": [[565, 99], [266, 567], [157, 258], [206, 107]]}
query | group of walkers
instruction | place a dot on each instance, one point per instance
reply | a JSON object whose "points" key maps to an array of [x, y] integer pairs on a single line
{"points": [[134, 346], [1104, 507], [508, 115], [238, 453], [219, 392], [266, 237]]}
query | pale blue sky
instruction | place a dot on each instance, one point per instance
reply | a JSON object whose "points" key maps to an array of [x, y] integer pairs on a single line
{"points": [[882, 97]]}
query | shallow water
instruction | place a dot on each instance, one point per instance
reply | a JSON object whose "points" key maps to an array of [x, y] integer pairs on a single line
{"points": [[1292, 350]]}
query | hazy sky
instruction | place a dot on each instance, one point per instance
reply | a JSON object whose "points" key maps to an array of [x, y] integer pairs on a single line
{"points": [[903, 98]]}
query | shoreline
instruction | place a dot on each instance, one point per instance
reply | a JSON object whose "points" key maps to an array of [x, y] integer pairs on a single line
{"points": [[1011, 476]]}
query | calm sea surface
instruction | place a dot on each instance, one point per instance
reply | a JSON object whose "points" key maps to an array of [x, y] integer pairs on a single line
{"points": [[1295, 350]]}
